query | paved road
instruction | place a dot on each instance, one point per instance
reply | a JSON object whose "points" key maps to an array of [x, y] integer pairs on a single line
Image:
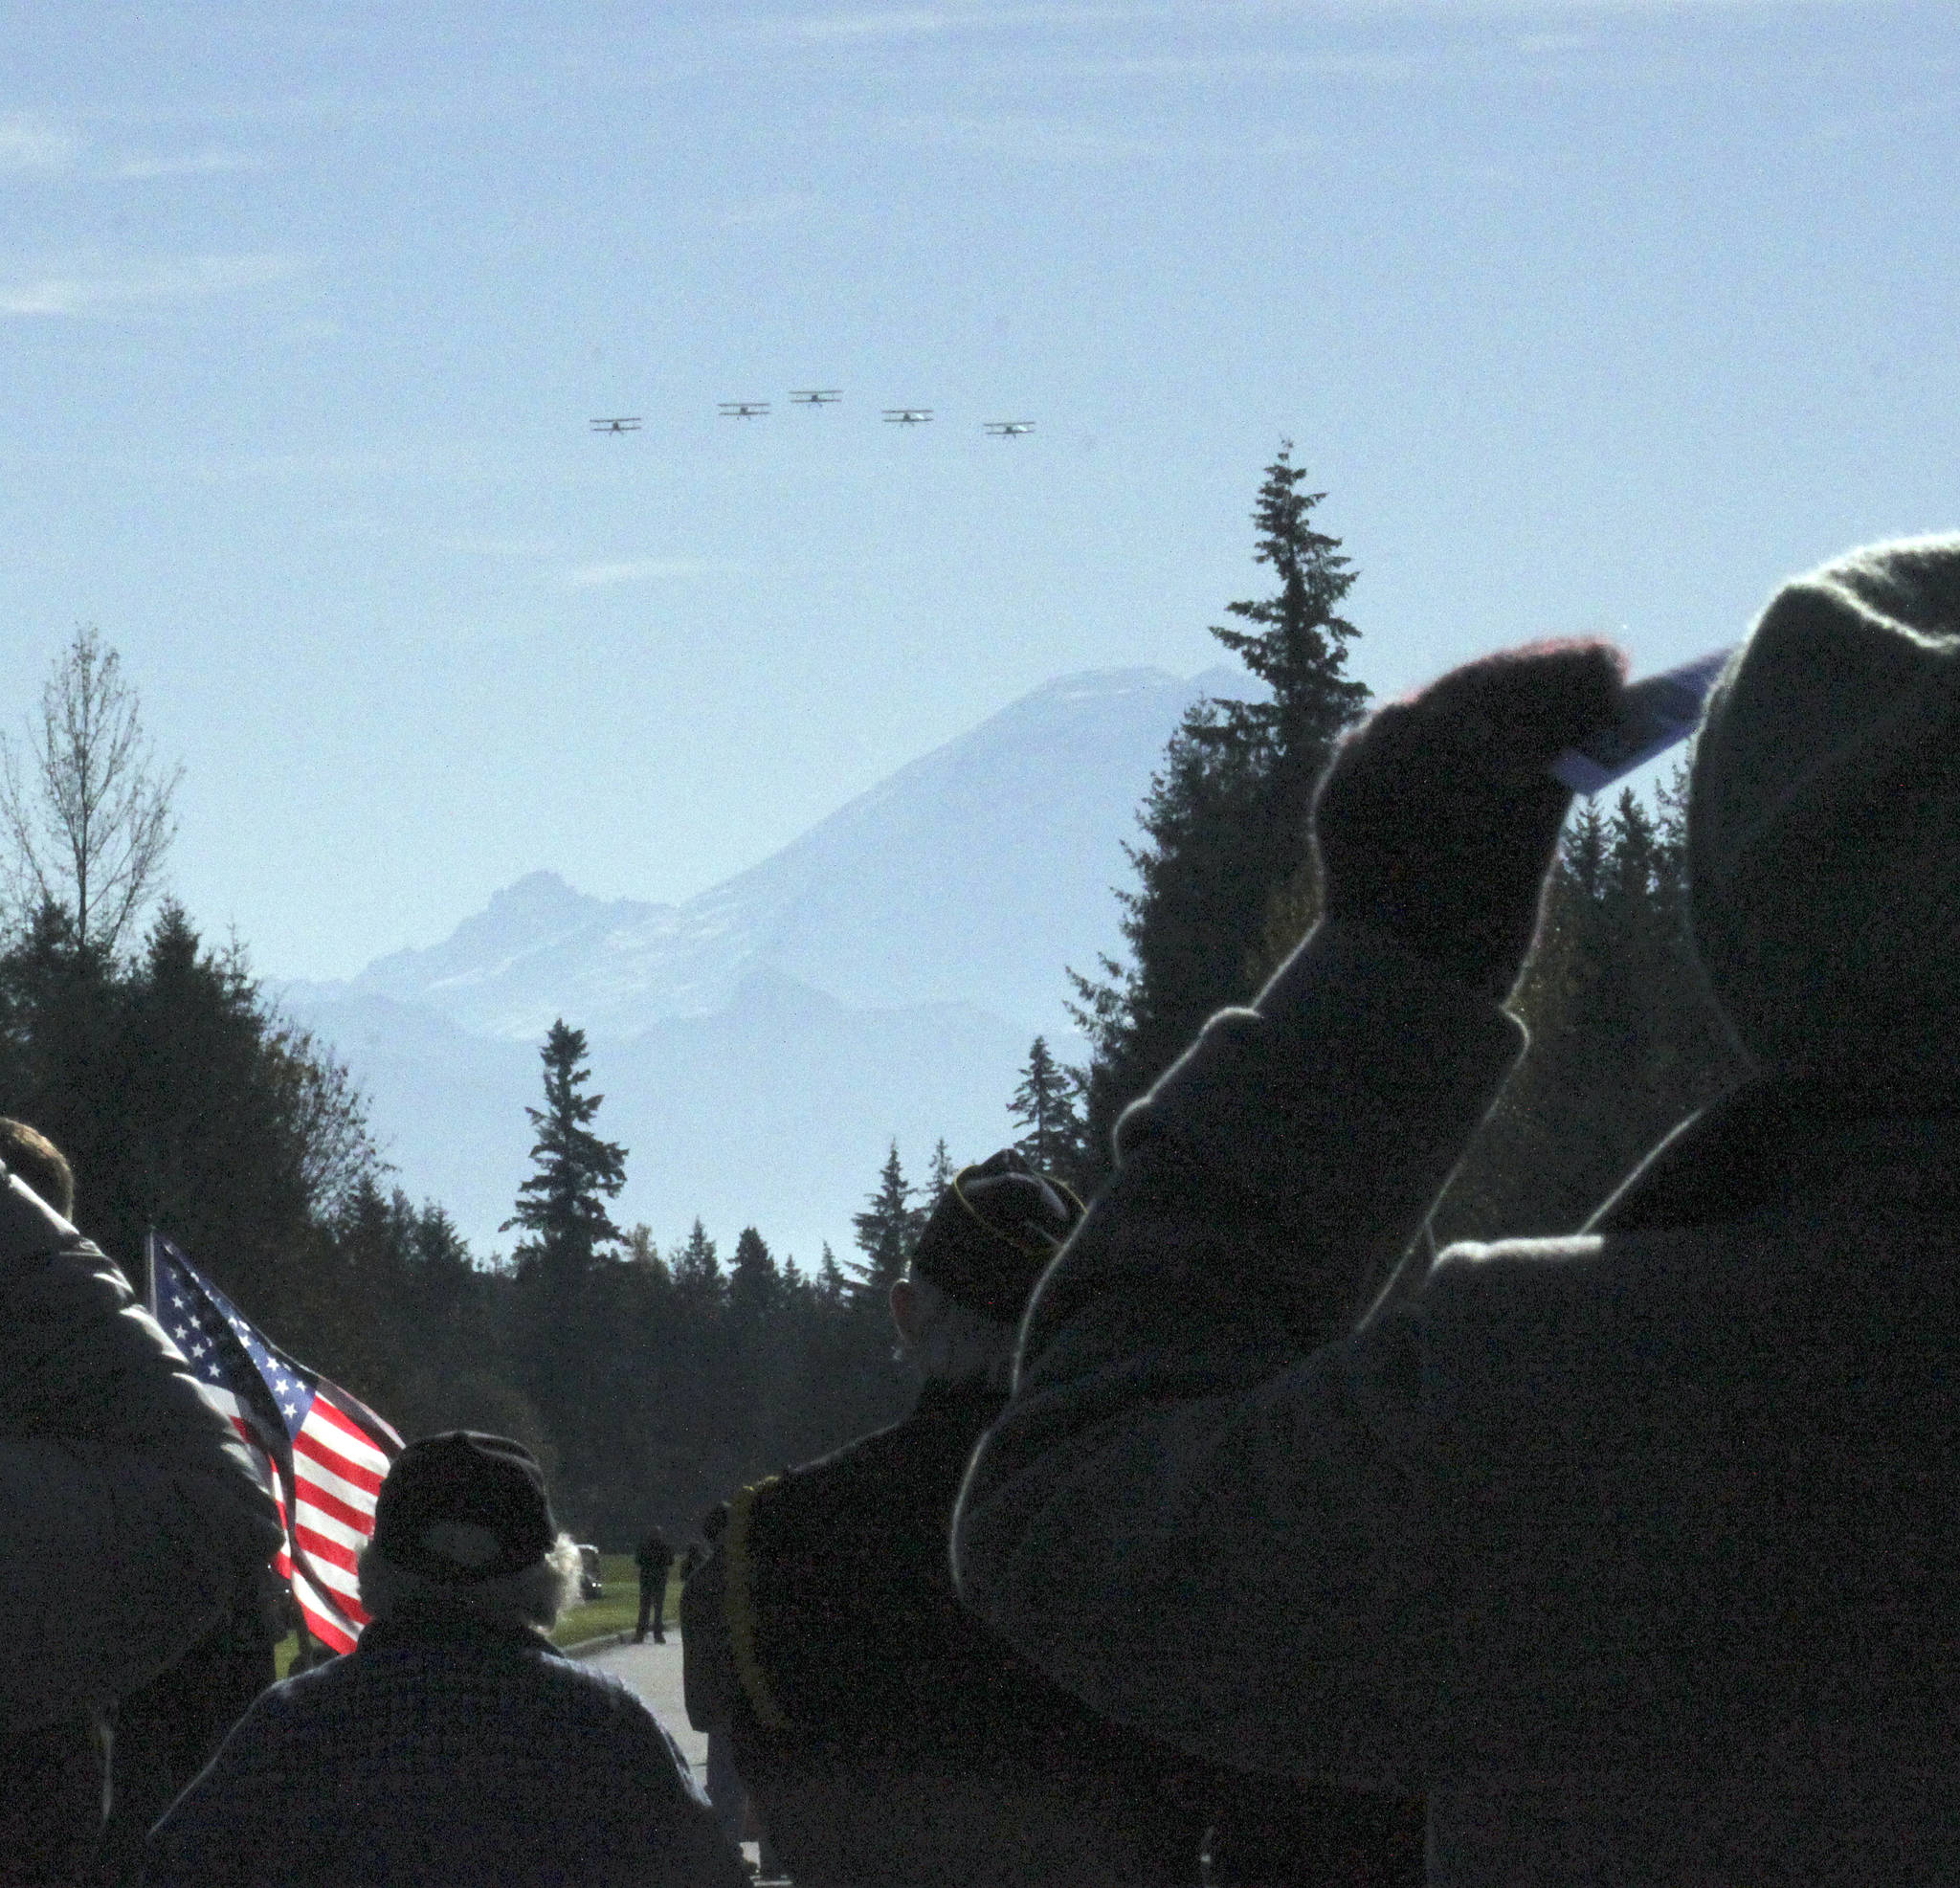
{"points": [[654, 1670]]}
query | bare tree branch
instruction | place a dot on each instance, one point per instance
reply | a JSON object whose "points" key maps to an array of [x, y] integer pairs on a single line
{"points": [[89, 825]]}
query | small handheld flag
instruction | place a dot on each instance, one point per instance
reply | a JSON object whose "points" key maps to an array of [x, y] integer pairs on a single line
{"points": [[323, 1451], [1654, 715]]}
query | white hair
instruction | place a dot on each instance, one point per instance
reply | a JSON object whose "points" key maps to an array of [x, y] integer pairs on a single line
{"points": [[952, 1340], [534, 1595]]}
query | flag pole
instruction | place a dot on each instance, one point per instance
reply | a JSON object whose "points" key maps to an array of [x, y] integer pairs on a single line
{"points": [[149, 1270]]}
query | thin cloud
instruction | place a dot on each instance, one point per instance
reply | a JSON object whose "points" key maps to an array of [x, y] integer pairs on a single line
{"points": [[99, 288], [198, 163], [1389, 67], [632, 571], [534, 548], [764, 212], [909, 23], [923, 22], [29, 146], [1058, 139]]}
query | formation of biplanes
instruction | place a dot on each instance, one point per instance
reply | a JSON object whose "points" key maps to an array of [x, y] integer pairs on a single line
{"points": [[821, 396]]}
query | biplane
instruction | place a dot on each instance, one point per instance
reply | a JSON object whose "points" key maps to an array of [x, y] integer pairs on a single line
{"points": [[625, 423], [744, 408], [816, 397], [907, 415], [1010, 428]]}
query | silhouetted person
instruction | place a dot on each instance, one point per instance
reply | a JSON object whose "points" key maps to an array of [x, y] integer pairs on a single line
{"points": [[127, 1507], [886, 1736], [655, 1559], [1637, 1548]]}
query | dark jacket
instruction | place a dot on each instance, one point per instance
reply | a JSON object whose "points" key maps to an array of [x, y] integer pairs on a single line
{"points": [[442, 1750], [886, 1734], [128, 1509], [1639, 1549]]}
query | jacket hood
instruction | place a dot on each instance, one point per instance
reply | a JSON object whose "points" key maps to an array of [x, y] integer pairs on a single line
{"points": [[1824, 806]]}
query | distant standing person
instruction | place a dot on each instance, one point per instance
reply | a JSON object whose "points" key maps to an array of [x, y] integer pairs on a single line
{"points": [[655, 1559]]}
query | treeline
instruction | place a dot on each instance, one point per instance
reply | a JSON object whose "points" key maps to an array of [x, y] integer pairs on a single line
{"points": [[1625, 1041], [653, 1382]]}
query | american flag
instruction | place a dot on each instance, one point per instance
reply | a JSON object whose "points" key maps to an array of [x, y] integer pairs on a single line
{"points": [[323, 1451]]}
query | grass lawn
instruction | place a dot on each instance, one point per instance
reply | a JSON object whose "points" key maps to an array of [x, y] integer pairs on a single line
{"points": [[617, 1607], [614, 1611]]}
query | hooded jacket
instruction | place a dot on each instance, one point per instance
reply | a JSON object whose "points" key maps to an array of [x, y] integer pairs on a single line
{"points": [[1639, 1549]]}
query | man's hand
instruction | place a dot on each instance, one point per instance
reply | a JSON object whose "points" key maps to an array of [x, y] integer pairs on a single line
{"points": [[1437, 820]]}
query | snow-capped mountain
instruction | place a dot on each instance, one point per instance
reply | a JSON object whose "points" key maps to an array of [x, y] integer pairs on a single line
{"points": [[881, 976]]}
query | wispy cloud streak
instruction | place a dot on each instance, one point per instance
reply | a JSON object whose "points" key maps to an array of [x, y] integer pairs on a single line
{"points": [[632, 571], [30, 147], [196, 163], [97, 288]]}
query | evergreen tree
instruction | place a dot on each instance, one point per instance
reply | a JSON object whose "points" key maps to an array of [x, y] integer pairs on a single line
{"points": [[1225, 822], [939, 1176], [755, 1286], [1625, 1040], [562, 1206], [697, 1269], [832, 1285], [1045, 1105], [561, 1317], [884, 1232]]}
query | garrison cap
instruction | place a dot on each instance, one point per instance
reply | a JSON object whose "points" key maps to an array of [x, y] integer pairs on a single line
{"points": [[993, 1233]]}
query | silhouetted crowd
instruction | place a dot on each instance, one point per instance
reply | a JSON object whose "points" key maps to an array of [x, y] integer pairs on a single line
{"points": [[1235, 1535]]}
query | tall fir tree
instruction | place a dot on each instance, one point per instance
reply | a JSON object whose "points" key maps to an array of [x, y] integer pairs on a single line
{"points": [[939, 1175], [755, 1284], [884, 1232], [696, 1269], [560, 1210], [1225, 822], [1044, 1104]]}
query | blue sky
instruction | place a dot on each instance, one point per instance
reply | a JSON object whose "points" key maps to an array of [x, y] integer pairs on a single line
{"points": [[1587, 317]]}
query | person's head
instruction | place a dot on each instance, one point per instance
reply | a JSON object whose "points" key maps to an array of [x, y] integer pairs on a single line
{"points": [[462, 1524], [978, 1258], [39, 1163], [1824, 822]]}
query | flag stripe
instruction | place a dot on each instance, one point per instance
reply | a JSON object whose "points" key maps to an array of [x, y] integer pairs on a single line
{"points": [[324, 1623], [353, 1481], [324, 1573], [321, 1547], [351, 1531], [316, 1503], [310, 1472], [349, 1439]]}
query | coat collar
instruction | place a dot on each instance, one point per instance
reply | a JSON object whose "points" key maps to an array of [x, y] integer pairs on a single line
{"points": [[1749, 1150]]}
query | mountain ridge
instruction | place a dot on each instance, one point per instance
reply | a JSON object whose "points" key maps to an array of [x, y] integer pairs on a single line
{"points": [[760, 1045]]}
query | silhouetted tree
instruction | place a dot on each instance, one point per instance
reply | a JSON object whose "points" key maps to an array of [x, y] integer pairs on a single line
{"points": [[560, 1208], [1225, 820], [87, 819], [1045, 1105], [885, 1231], [1625, 1040]]}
